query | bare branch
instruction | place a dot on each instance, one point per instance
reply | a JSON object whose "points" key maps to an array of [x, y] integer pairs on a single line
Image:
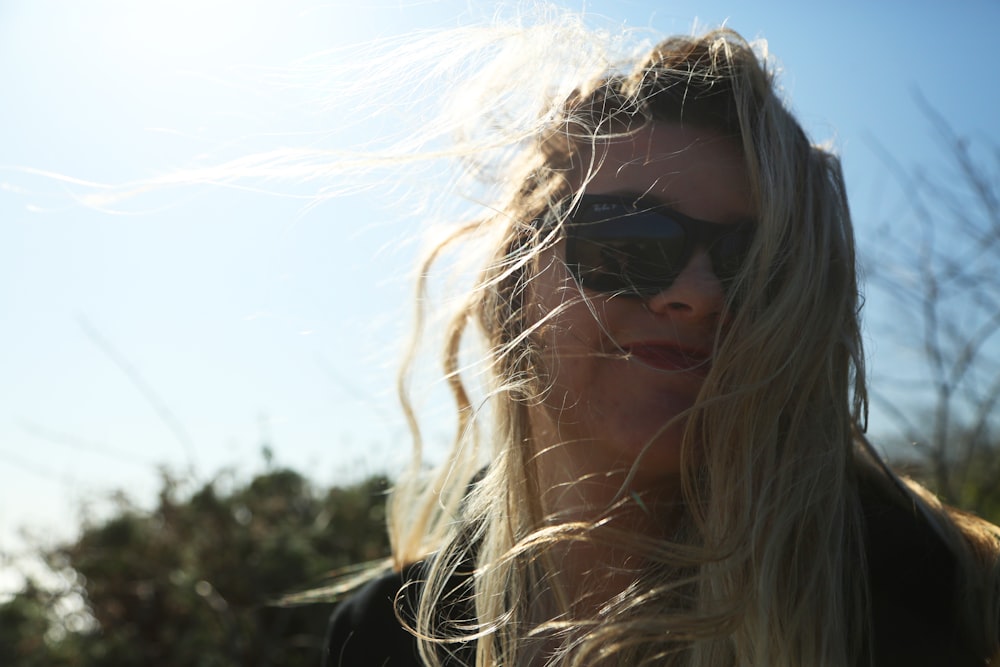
{"points": [[941, 269]]}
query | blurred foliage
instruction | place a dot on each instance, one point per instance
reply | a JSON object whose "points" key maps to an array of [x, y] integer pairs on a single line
{"points": [[196, 581], [972, 481], [935, 262]]}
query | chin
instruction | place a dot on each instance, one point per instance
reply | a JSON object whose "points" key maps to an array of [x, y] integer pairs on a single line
{"points": [[653, 452]]}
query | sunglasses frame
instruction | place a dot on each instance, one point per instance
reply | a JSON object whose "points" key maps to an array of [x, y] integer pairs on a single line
{"points": [[607, 220]]}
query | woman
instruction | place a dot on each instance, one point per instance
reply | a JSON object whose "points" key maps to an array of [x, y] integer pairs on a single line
{"points": [[676, 472]]}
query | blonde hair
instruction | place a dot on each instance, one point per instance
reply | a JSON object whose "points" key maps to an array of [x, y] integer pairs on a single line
{"points": [[769, 565]]}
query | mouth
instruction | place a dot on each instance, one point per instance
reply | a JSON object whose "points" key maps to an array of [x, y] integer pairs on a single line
{"points": [[670, 357]]}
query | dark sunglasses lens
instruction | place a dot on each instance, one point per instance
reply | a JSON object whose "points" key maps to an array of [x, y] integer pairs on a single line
{"points": [[729, 252], [645, 261], [612, 247]]}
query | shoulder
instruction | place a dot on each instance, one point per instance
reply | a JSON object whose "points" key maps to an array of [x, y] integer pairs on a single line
{"points": [[366, 630], [915, 585]]}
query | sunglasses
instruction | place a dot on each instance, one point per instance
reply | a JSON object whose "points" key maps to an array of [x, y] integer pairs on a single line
{"points": [[618, 244]]}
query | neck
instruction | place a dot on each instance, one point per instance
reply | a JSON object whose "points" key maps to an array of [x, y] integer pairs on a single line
{"points": [[614, 508]]}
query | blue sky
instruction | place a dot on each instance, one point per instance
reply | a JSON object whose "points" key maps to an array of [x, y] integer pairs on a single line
{"points": [[207, 321]]}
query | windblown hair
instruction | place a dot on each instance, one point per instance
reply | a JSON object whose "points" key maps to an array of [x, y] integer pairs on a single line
{"points": [[768, 567]]}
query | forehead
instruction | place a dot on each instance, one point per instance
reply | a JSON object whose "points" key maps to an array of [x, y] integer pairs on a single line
{"points": [[698, 172]]}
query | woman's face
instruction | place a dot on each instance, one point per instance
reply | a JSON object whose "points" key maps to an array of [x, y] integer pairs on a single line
{"points": [[621, 367]]}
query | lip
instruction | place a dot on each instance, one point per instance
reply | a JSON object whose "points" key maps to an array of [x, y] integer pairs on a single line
{"points": [[670, 356]]}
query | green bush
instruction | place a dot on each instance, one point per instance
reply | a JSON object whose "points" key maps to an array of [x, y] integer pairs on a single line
{"points": [[196, 582]]}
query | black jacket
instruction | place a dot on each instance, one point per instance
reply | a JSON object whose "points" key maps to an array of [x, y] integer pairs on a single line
{"points": [[912, 575]]}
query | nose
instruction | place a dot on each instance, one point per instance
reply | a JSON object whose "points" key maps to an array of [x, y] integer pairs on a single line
{"points": [[695, 294]]}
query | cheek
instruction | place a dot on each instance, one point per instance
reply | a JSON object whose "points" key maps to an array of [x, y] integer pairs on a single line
{"points": [[566, 322], [567, 359], [571, 329], [581, 370], [582, 376]]}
